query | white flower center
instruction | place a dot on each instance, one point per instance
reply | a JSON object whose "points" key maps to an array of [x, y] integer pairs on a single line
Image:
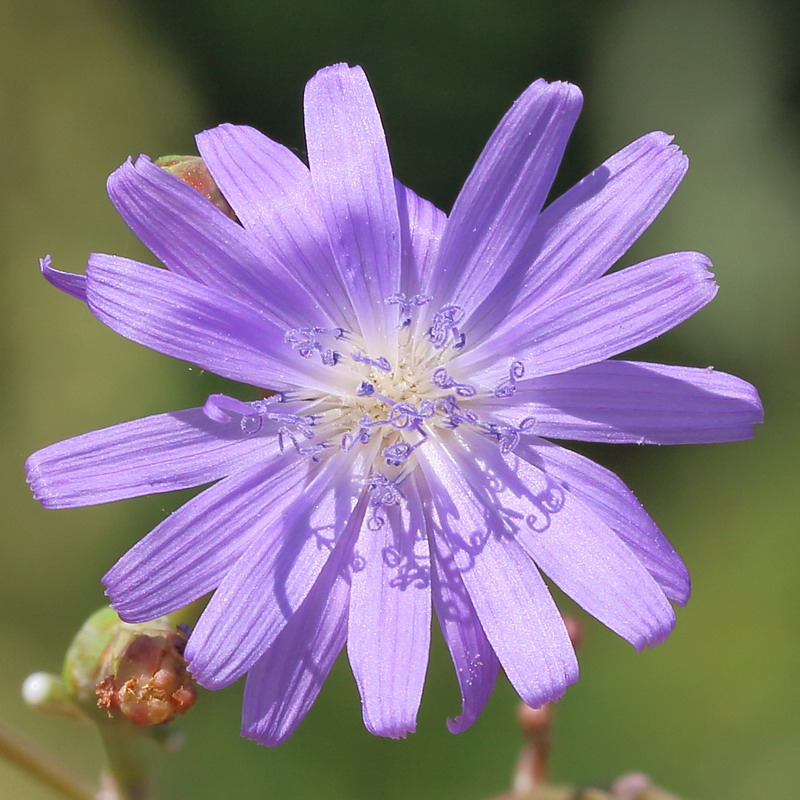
{"points": [[394, 401]]}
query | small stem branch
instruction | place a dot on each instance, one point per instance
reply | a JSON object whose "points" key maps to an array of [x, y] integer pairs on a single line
{"points": [[39, 764], [536, 725], [534, 760]]}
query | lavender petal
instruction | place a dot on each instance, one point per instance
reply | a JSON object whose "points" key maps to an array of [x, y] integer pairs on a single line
{"points": [[285, 681], [582, 555], [513, 604], [189, 553], [193, 238], [68, 282], [263, 590], [181, 318], [614, 503], [390, 619], [270, 190], [600, 320], [475, 662], [640, 403], [155, 454], [355, 192], [581, 235], [492, 225], [422, 227]]}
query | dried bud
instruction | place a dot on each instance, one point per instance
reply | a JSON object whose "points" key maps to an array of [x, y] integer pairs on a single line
{"points": [[148, 683], [193, 171]]}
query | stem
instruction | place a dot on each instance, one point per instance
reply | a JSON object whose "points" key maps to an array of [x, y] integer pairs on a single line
{"points": [[126, 762], [534, 761], [39, 764]]}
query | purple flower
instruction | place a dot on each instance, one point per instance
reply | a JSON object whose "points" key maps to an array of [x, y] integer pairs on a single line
{"points": [[416, 362]]}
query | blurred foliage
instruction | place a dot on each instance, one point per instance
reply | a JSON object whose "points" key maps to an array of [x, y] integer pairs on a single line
{"points": [[83, 84]]}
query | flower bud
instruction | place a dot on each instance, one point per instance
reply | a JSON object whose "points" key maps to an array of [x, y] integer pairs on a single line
{"points": [[193, 171]]}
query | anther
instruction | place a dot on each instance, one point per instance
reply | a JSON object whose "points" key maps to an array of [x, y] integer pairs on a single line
{"points": [[508, 436], [444, 381], [407, 305], [396, 454], [381, 363], [446, 321], [305, 341], [508, 386], [384, 492]]}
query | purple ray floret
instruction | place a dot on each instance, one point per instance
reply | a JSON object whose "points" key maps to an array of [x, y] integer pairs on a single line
{"points": [[398, 471]]}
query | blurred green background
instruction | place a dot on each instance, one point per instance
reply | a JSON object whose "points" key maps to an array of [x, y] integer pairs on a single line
{"points": [[711, 714]]}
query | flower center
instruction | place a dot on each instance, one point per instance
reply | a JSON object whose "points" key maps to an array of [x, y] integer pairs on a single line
{"points": [[393, 401]]}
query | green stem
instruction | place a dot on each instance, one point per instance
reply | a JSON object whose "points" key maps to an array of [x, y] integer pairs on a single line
{"points": [[126, 761], [31, 758]]}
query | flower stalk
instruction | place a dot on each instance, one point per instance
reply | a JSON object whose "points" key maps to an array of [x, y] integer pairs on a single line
{"points": [[127, 774], [532, 776]]}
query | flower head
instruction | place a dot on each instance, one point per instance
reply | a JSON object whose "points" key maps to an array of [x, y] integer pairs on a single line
{"points": [[415, 363]]}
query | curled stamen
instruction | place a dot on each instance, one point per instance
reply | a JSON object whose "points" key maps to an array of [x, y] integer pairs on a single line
{"points": [[301, 423], [300, 334], [455, 414], [444, 381], [251, 425], [446, 321], [365, 389], [329, 357], [407, 415], [314, 450], [367, 422], [396, 454], [407, 305], [222, 409], [379, 363], [349, 440], [305, 341], [508, 386]]}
